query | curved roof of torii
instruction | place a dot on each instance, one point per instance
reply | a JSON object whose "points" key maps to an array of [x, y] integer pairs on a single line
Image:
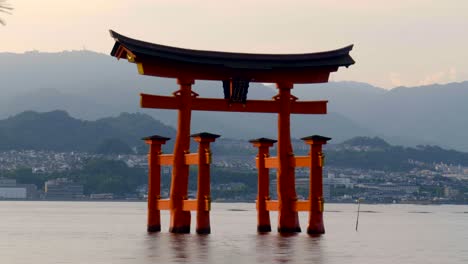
{"points": [[166, 61]]}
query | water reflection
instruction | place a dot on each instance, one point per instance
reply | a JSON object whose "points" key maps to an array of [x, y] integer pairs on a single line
{"points": [[177, 248], [152, 247], [285, 248], [315, 249], [218, 248], [113, 236], [178, 245], [234, 240], [202, 248], [295, 248]]}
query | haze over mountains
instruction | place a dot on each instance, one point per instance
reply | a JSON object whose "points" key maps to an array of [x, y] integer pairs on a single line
{"points": [[57, 131], [90, 86]]}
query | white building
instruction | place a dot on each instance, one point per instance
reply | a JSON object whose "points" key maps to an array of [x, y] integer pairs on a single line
{"points": [[9, 189], [13, 193]]}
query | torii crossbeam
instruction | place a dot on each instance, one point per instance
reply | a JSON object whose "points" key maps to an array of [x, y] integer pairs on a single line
{"points": [[253, 106]]}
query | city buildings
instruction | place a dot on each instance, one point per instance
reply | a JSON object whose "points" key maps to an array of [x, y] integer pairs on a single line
{"points": [[425, 183], [62, 189]]}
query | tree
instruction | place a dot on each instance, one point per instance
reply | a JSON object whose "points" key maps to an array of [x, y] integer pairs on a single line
{"points": [[113, 146], [4, 8]]}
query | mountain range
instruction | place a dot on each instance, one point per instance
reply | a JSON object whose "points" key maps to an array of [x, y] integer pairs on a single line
{"points": [[58, 131], [93, 86]]}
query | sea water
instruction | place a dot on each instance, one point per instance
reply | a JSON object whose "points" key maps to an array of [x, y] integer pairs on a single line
{"points": [[115, 232]]}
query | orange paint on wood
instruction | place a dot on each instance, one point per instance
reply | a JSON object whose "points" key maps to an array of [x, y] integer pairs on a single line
{"points": [[192, 205], [180, 219], [271, 162], [189, 205], [203, 182], [252, 106], [302, 161], [288, 219], [263, 186], [154, 185], [166, 159], [191, 159], [302, 206], [163, 204], [316, 225], [297, 206], [272, 205]]}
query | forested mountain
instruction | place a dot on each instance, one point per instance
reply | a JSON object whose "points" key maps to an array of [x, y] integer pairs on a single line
{"points": [[90, 86], [377, 154], [58, 131]]}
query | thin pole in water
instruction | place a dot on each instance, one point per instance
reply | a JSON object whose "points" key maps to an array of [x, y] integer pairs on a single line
{"points": [[359, 208]]}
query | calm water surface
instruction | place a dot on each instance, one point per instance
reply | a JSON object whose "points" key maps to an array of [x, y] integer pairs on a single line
{"points": [[89, 232]]}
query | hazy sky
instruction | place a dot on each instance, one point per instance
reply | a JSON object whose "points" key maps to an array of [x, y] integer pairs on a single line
{"points": [[397, 42]]}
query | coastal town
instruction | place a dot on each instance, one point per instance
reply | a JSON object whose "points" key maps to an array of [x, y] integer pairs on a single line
{"points": [[436, 183]]}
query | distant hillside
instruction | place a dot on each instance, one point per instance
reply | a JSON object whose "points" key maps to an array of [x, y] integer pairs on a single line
{"points": [[58, 131], [431, 114], [90, 86], [364, 153], [377, 154], [366, 142]]}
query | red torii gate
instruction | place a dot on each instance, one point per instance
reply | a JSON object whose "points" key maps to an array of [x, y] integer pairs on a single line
{"points": [[236, 70]]}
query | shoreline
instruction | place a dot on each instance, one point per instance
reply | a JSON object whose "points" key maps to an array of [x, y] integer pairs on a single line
{"points": [[215, 201]]}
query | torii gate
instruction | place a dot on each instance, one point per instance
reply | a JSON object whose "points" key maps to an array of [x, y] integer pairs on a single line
{"points": [[236, 71]]}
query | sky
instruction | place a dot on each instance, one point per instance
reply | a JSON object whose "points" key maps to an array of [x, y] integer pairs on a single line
{"points": [[396, 43]]}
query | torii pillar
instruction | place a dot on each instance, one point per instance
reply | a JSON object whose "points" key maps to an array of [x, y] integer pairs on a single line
{"points": [[155, 143], [203, 182], [316, 226], [288, 219], [180, 219], [263, 184]]}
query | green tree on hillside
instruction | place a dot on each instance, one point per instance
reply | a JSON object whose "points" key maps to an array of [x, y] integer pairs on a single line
{"points": [[113, 146], [109, 176]]}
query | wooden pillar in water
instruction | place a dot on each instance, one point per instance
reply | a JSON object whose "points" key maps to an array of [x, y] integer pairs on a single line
{"points": [[316, 225], [180, 219], [203, 182], [154, 181], [288, 220], [263, 187]]}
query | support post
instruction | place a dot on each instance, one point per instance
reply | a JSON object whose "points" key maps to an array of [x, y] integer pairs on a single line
{"points": [[288, 220], [203, 181], [154, 181], [263, 187], [180, 219], [316, 226]]}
